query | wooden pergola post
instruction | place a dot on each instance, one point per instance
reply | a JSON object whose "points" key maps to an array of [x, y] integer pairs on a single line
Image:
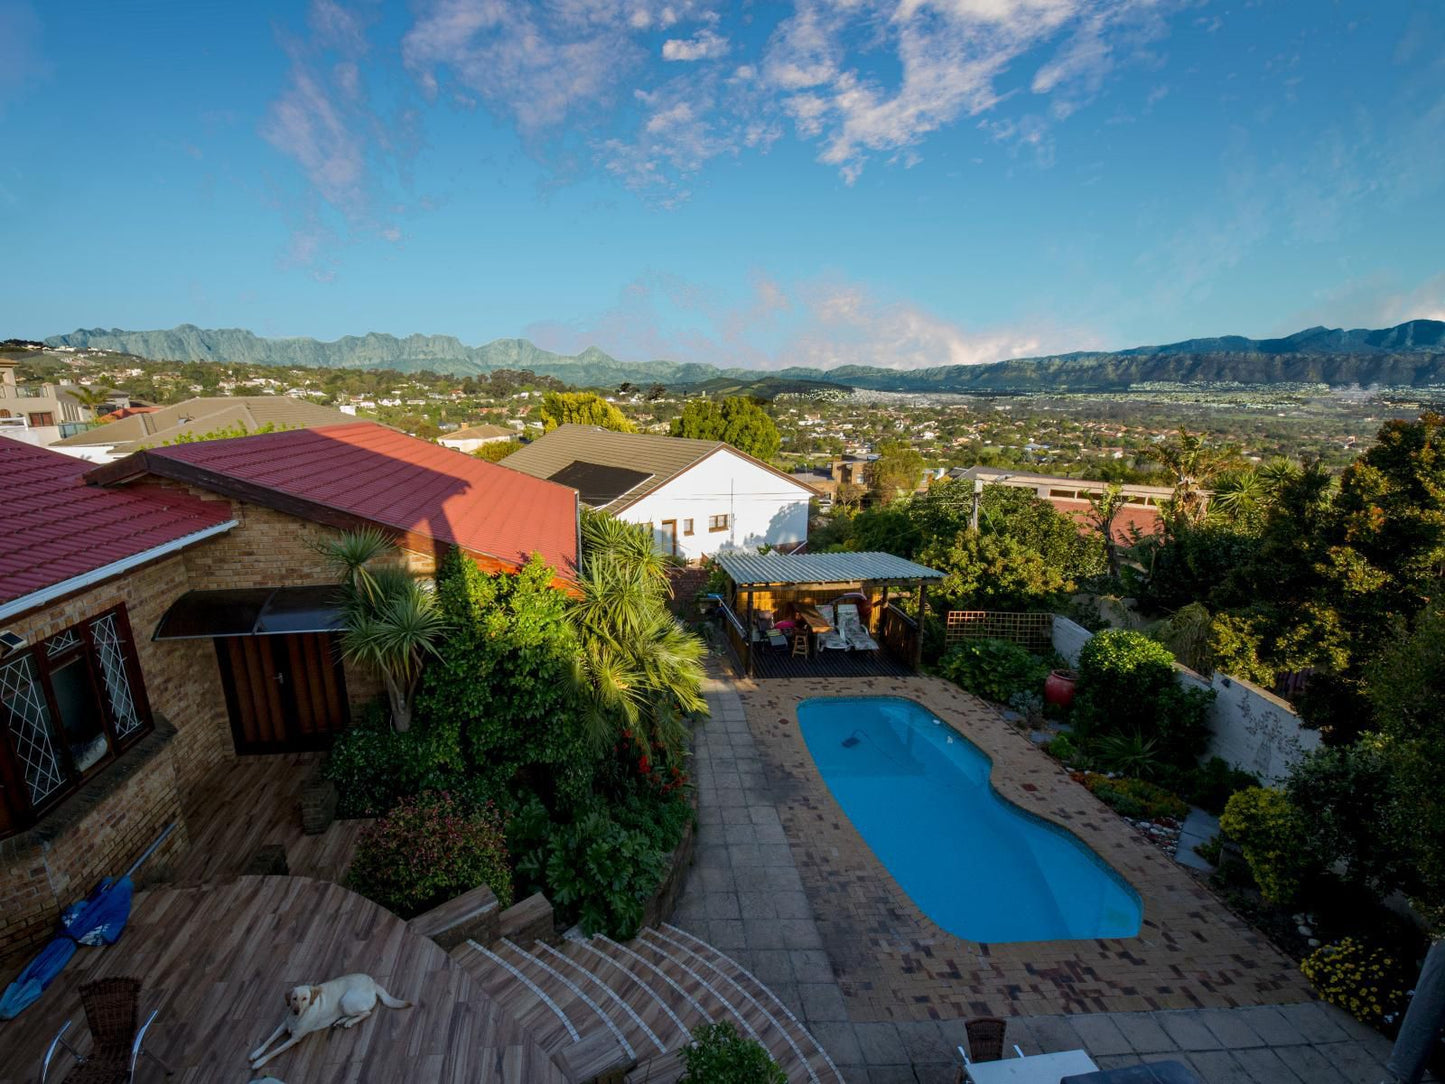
{"points": [[918, 640], [748, 635]]}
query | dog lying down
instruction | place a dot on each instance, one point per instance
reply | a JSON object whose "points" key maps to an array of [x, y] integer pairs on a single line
{"points": [[340, 1003]]}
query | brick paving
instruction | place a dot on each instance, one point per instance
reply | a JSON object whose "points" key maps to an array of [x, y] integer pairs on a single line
{"points": [[782, 883]]}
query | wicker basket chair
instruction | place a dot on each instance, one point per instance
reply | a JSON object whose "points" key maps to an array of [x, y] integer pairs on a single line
{"points": [[985, 1038], [116, 1042]]}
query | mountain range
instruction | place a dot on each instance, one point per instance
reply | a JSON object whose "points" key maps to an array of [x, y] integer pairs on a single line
{"points": [[1409, 354]]}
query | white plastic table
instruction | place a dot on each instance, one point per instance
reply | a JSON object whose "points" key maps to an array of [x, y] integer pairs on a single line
{"points": [[1034, 1069]]}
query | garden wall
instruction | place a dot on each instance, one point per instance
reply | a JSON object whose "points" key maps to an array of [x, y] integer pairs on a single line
{"points": [[1250, 728]]}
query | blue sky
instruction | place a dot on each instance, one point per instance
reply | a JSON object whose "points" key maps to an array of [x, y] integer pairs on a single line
{"points": [[792, 182]]}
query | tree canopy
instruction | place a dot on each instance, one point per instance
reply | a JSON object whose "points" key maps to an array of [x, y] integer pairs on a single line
{"points": [[737, 420], [896, 472], [581, 408]]}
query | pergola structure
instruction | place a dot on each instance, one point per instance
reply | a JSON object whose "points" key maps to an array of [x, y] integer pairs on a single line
{"points": [[765, 580]]}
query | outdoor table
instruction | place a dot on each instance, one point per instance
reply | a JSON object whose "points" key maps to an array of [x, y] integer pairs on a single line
{"points": [[810, 616], [1034, 1069]]}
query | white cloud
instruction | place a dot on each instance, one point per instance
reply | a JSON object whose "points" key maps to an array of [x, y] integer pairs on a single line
{"points": [[820, 323], [704, 45]]}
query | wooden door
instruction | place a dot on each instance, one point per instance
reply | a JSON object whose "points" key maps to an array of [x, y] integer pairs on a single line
{"points": [[669, 531], [284, 693]]}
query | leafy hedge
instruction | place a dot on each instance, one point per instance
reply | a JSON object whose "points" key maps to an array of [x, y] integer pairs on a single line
{"points": [[1127, 685], [993, 669], [1277, 842], [428, 850], [719, 1055], [1135, 798]]}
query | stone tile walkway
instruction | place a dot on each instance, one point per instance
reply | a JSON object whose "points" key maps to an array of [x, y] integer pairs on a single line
{"points": [[746, 895]]}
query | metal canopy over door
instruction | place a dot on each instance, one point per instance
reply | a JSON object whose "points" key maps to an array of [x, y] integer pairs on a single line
{"points": [[284, 693]]}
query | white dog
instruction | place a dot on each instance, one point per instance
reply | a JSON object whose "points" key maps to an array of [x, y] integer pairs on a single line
{"points": [[343, 1003]]}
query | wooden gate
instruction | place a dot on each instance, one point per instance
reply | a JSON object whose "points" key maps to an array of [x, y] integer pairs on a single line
{"points": [[284, 693]]}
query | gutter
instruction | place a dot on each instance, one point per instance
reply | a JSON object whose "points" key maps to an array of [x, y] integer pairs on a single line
{"points": [[105, 572]]}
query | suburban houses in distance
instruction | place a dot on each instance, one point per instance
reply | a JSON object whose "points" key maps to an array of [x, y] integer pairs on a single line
{"points": [[196, 418], [37, 413], [700, 497], [474, 436]]}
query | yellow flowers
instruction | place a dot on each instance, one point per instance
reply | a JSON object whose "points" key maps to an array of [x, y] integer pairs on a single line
{"points": [[1357, 978]]}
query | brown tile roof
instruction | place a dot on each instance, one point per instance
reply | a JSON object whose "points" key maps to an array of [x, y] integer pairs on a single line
{"points": [[479, 432], [663, 458], [202, 415]]}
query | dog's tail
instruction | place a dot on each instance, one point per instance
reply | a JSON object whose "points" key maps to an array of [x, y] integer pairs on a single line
{"points": [[391, 1002]]}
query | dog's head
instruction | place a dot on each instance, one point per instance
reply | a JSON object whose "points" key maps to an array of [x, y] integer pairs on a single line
{"points": [[301, 998]]}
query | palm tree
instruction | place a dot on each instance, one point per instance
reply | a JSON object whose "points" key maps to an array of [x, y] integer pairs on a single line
{"points": [[92, 397], [1103, 509], [640, 668], [1193, 465], [391, 621]]}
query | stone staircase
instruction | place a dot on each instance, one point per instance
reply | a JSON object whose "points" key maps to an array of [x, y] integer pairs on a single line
{"points": [[621, 1012]]}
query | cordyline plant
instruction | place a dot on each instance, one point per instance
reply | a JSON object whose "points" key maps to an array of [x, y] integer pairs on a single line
{"points": [[391, 620]]}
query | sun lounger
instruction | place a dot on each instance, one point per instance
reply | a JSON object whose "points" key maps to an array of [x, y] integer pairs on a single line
{"points": [[852, 628], [833, 639]]}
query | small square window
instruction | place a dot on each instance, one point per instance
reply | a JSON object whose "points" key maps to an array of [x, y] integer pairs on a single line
{"points": [[717, 523], [687, 526]]}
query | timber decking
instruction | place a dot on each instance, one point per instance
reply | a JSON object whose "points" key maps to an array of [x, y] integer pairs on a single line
{"points": [[248, 802], [216, 960], [778, 663]]}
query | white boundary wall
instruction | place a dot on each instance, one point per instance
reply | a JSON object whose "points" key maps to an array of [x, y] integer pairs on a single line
{"points": [[1250, 727]]}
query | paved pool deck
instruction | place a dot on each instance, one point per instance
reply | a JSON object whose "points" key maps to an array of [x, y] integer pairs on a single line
{"points": [[783, 883]]}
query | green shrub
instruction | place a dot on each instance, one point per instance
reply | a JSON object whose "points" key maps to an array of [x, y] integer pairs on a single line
{"points": [[1136, 799], [1210, 785], [375, 767], [1127, 685], [1365, 981], [1063, 748], [430, 849], [1126, 754], [719, 1055], [1275, 840], [993, 669]]}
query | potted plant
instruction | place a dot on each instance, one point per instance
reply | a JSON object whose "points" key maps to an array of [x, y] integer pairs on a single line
{"points": [[1059, 688]]}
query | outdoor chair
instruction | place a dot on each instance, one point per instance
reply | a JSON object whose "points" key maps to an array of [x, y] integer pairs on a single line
{"points": [[800, 643], [986, 1037], [852, 628], [116, 1043], [833, 639]]}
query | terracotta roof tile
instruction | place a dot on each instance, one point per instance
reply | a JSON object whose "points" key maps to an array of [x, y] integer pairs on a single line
{"points": [[375, 473], [54, 527]]}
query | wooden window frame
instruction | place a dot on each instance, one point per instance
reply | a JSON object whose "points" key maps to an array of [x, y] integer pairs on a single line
{"points": [[719, 523], [687, 527], [47, 418], [23, 812]]}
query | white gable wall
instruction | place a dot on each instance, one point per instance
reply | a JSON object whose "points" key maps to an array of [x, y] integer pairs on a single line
{"points": [[761, 507]]}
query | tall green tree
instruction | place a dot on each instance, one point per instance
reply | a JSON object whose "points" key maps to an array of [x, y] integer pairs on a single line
{"points": [[1192, 463], [737, 420], [895, 473], [581, 408], [1104, 509]]}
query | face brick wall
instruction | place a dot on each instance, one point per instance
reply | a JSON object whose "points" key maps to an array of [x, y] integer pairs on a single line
{"points": [[101, 830]]}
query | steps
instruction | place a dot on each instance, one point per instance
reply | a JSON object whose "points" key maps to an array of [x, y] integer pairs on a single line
{"points": [[602, 1010]]}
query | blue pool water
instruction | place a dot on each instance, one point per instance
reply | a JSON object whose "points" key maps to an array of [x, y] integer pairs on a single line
{"points": [[980, 867]]}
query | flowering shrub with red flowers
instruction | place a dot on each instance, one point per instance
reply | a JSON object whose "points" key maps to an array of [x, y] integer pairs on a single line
{"points": [[429, 849], [651, 765]]}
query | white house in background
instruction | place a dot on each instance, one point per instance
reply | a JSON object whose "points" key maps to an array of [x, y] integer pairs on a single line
{"points": [[700, 497], [474, 436], [38, 414]]}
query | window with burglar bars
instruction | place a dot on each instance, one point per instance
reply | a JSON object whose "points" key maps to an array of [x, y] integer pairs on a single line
{"points": [[68, 705], [1034, 631]]}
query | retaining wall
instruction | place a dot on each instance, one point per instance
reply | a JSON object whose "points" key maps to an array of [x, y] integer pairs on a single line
{"points": [[1250, 727]]}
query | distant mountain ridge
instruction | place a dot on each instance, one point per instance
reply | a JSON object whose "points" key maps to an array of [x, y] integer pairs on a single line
{"points": [[1409, 354]]}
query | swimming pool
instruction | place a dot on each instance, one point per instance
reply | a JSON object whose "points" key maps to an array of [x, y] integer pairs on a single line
{"points": [[981, 868]]}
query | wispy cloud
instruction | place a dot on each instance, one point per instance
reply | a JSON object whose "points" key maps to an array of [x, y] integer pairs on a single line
{"points": [[819, 323], [326, 122], [22, 59]]}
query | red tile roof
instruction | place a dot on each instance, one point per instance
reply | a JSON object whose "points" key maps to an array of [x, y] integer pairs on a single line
{"points": [[1146, 518], [373, 473], [54, 527]]}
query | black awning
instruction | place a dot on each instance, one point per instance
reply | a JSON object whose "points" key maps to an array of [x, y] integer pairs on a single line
{"points": [[252, 611]]}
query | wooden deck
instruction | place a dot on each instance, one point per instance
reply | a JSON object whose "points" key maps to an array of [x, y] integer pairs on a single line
{"points": [[775, 663], [215, 960], [249, 802]]}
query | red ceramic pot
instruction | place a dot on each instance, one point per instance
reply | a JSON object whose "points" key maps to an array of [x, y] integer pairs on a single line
{"points": [[1059, 688]]}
